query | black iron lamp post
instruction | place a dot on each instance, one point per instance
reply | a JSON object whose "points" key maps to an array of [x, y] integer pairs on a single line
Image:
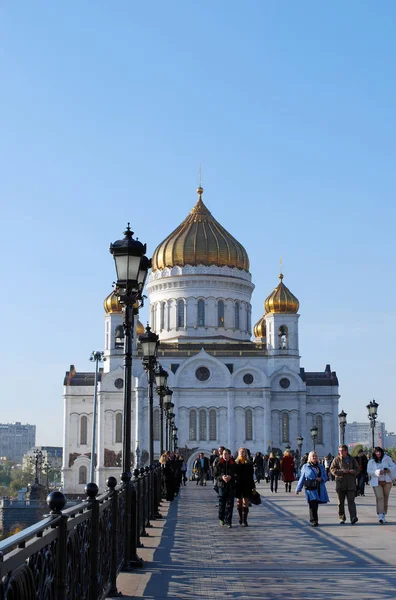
{"points": [[372, 408], [97, 357], [300, 440], [149, 344], [132, 267], [314, 435], [288, 447], [161, 379], [38, 462], [342, 421], [168, 405]]}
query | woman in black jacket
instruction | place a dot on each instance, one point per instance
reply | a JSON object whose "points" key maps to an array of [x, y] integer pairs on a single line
{"points": [[244, 484], [224, 474], [273, 471]]}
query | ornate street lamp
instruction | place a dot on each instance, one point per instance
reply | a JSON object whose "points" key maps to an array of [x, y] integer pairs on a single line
{"points": [[342, 421], [161, 380], [288, 447], [96, 357], [38, 462], [149, 344], [132, 267], [372, 408], [168, 405], [300, 440], [314, 435]]}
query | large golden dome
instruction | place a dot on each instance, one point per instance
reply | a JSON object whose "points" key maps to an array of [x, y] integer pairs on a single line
{"points": [[200, 240], [281, 300]]}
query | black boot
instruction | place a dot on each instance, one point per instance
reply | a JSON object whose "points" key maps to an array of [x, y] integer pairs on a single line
{"points": [[245, 514], [240, 514]]}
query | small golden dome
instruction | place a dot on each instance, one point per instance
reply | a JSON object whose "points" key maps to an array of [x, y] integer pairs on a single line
{"points": [[140, 329], [259, 329], [200, 240], [112, 304], [281, 300]]}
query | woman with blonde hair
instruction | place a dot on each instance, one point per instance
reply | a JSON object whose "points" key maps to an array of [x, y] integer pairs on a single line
{"points": [[273, 471], [313, 477], [244, 484]]}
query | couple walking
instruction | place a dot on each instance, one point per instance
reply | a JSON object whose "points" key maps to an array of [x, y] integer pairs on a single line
{"points": [[234, 479]]}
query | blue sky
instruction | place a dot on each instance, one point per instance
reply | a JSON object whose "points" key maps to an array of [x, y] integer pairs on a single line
{"points": [[107, 110]]}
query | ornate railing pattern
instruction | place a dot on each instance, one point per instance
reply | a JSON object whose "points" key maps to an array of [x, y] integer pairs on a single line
{"points": [[77, 553]]}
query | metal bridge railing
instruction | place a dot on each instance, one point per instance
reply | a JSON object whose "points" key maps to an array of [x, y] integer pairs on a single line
{"points": [[77, 553]]}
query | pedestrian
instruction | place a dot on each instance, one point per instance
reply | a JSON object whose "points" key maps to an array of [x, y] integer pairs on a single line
{"points": [[224, 473], [168, 481], [382, 470], [258, 464], [345, 469], [361, 479], [183, 469], [273, 471], [287, 467], [327, 463], [212, 458], [244, 484], [201, 467], [313, 477]]}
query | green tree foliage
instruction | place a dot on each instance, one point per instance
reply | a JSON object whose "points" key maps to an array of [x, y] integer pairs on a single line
{"points": [[357, 448]]}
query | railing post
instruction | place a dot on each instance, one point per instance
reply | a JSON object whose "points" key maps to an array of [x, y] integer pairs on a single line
{"points": [[56, 501], [91, 490], [111, 484], [147, 496], [157, 488], [134, 541], [142, 503]]}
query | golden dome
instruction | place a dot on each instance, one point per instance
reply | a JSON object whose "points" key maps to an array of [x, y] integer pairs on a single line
{"points": [[140, 329], [281, 300], [259, 329], [112, 304], [200, 240]]}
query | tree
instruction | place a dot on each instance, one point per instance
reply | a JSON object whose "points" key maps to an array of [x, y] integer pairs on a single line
{"points": [[358, 448]]}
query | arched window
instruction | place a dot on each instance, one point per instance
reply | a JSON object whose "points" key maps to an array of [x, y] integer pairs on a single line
{"points": [[285, 428], [193, 424], [156, 424], [83, 430], [248, 319], [319, 425], [180, 313], [220, 313], [118, 428], [236, 315], [283, 341], [202, 424], [248, 424], [212, 425], [162, 320], [119, 336], [82, 475], [201, 313]]}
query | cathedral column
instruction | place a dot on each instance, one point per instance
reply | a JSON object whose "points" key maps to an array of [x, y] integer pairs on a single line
{"points": [[231, 419], [267, 433]]}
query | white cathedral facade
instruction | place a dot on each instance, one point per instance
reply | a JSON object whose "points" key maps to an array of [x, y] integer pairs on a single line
{"points": [[228, 389]]}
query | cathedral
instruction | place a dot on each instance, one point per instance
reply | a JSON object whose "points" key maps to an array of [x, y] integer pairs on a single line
{"points": [[231, 386]]}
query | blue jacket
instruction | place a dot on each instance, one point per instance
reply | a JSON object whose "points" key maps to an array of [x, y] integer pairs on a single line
{"points": [[308, 472]]}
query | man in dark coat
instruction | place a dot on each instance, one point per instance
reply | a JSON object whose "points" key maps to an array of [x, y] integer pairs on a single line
{"points": [[201, 467], [224, 474], [345, 469]]}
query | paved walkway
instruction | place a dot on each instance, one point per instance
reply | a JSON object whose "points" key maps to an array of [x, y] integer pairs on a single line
{"points": [[279, 556]]}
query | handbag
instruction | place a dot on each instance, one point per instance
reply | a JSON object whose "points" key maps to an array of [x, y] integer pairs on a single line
{"points": [[311, 484], [255, 498]]}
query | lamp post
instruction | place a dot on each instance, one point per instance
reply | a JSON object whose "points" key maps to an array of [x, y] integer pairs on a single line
{"points": [[132, 267], [97, 357], [300, 440], [314, 435], [168, 405], [161, 379], [372, 408], [342, 421], [288, 447], [37, 461], [149, 344]]}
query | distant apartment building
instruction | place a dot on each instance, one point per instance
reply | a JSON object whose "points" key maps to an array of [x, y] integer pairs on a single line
{"points": [[15, 440], [50, 454], [360, 433], [390, 440]]}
